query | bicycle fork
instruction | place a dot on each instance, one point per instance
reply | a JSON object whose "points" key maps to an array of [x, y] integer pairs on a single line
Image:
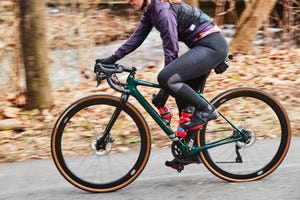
{"points": [[102, 141]]}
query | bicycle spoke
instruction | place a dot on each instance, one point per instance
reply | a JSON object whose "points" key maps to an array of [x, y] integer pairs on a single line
{"points": [[263, 121], [116, 161]]}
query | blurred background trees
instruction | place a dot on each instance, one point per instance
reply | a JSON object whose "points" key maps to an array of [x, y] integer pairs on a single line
{"points": [[251, 20], [34, 51]]}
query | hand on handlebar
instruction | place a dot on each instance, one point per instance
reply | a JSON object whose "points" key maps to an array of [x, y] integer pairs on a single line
{"points": [[109, 60], [109, 71]]}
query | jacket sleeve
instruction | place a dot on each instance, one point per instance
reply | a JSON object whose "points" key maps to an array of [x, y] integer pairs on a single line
{"points": [[167, 26], [136, 39]]}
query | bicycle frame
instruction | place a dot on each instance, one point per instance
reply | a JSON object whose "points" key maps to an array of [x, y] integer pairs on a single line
{"points": [[131, 86], [104, 120]]}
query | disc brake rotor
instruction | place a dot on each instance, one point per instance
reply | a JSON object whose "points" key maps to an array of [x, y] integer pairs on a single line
{"points": [[252, 138], [103, 151]]}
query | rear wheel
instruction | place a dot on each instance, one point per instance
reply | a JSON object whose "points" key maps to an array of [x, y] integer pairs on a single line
{"points": [[119, 160], [263, 119]]}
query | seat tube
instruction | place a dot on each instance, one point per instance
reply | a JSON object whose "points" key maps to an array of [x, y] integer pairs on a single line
{"points": [[203, 82]]}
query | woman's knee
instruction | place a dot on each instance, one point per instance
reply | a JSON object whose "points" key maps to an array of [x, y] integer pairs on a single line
{"points": [[169, 80], [162, 78]]}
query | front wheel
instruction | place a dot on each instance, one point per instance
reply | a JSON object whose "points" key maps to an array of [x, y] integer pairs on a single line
{"points": [[266, 123], [119, 159]]}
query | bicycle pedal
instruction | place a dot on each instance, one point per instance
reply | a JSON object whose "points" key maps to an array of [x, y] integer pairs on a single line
{"points": [[180, 168]]}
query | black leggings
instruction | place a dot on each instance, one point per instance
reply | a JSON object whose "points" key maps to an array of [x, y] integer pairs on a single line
{"points": [[187, 74]]}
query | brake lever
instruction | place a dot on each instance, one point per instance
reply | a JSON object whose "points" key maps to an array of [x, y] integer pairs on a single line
{"points": [[100, 77], [106, 72], [99, 74]]}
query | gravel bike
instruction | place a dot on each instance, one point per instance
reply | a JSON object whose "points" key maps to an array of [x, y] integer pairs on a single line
{"points": [[101, 143]]}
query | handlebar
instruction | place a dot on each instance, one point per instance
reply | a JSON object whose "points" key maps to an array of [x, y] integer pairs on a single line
{"points": [[109, 71]]}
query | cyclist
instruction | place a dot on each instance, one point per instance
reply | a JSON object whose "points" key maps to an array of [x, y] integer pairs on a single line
{"points": [[182, 76]]}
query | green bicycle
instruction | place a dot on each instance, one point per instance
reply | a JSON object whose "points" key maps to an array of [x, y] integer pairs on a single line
{"points": [[101, 143]]}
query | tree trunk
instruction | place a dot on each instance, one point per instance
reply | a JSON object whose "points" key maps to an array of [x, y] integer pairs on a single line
{"points": [[220, 8], [33, 40], [249, 23], [194, 3]]}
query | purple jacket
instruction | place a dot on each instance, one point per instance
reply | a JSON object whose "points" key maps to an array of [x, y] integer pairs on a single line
{"points": [[164, 19]]}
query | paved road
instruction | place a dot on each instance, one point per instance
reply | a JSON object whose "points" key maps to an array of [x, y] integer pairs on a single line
{"points": [[39, 179]]}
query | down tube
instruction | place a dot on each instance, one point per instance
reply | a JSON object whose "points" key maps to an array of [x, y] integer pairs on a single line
{"points": [[139, 97]]}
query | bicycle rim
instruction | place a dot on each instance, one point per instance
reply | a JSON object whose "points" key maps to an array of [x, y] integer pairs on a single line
{"points": [[266, 122], [119, 163]]}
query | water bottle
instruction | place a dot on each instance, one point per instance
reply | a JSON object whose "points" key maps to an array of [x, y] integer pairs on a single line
{"points": [[165, 113], [185, 117]]}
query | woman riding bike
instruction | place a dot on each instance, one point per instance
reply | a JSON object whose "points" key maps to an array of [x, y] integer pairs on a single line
{"points": [[182, 77]]}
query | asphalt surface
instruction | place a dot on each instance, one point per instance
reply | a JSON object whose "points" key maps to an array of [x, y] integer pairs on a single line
{"points": [[39, 179]]}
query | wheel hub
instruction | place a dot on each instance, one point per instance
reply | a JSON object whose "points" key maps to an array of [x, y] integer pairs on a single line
{"points": [[250, 141], [104, 149]]}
